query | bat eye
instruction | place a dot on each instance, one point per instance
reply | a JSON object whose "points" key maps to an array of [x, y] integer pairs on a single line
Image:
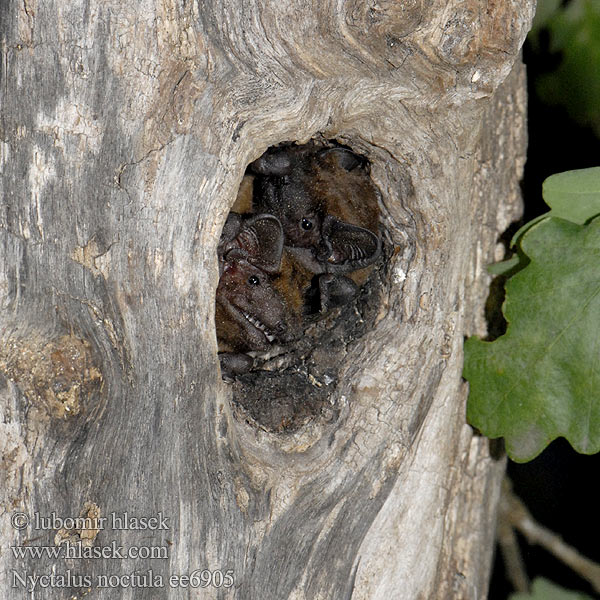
{"points": [[253, 280], [306, 224]]}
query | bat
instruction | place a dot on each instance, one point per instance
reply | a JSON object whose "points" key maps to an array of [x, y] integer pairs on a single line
{"points": [[250, 313], [327, 206], [293, 280]]}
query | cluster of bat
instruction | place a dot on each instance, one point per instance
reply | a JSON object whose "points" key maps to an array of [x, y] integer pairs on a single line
{"points": [[301, 245]]}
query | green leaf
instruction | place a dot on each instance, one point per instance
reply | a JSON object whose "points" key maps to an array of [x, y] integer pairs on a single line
{"points": [[545, 11], [573, 195], [542, 589], [541, 379], [575, 84]]}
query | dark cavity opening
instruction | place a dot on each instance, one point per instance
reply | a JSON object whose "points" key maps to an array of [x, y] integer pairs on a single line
{"points": [[302, 268]]}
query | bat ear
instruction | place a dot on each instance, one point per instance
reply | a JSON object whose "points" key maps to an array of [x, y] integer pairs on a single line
{"points": [[230, 231], [231, 228], [275, 162], [346, 247], [342, 158], [264, 247]]}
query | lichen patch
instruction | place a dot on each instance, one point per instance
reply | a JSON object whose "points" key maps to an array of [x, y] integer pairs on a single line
{"points": [[92, 258], [87, 527], [56, 375]]}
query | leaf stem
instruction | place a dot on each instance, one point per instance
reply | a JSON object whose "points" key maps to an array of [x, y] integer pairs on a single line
{"points": [[513, 512]]}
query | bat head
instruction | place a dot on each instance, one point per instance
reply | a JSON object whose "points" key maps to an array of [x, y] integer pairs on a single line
{"points": [[319, 198], [251, 312], [256, 313], [281, 189]]}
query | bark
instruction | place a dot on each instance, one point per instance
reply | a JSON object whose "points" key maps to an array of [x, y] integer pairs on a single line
{"points": [[126, 129]]}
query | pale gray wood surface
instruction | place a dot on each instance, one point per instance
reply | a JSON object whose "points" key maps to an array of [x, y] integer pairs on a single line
{"points": [[126, 129]]}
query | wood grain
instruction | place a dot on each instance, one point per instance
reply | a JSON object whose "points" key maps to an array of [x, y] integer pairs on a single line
{"points": [[126, 130]]}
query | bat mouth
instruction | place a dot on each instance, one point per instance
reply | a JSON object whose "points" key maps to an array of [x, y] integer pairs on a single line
{"points": [[256, 334], [260, 326]]}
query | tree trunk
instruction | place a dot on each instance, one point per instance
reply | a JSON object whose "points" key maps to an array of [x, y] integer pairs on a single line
{"points": [[126, 131]]}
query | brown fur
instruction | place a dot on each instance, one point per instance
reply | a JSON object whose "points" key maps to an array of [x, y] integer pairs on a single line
{"points": [[243, 202], [348, 195], [293, 283], [229, 334]]}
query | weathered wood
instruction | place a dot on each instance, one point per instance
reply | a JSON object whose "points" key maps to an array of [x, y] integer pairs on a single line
{"points": [[126, 130]]}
